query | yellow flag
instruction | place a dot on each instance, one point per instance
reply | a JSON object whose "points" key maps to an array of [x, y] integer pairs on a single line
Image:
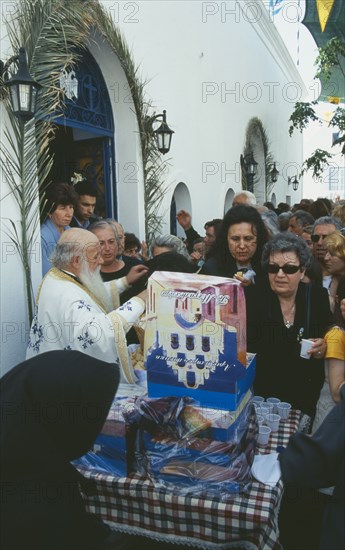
{"points": [[324, 8]]}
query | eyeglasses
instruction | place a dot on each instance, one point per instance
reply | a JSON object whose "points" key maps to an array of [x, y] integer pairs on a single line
{"points": [[289, 269], [316, 238]]}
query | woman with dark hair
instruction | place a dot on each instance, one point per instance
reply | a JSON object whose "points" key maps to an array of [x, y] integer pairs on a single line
{"points": [[285, 311], [132, 246], [52, 408], [319, 208], [238, 245], [59, 208]]}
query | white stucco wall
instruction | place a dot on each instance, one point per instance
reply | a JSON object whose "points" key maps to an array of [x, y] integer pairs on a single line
{"points": [[213, 66]]}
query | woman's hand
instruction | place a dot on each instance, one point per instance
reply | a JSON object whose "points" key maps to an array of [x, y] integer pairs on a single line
{"points": [[243, 281], [318, 349]]}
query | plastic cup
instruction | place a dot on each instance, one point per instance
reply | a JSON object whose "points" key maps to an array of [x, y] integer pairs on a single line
{"points": [[260, 419], [272, 422], [262, 411], [284, 410], [263, 435], [274, 401], [305, 346], [258, 399], [269, 406]]}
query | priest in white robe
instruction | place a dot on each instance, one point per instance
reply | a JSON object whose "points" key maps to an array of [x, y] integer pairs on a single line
{"points": [[74, 309]]}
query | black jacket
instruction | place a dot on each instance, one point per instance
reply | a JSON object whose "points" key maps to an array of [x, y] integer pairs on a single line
{"points": [[52, 408], [316, 462]]}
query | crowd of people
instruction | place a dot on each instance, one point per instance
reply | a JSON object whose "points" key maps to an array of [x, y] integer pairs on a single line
{"points": [[290, 261]]}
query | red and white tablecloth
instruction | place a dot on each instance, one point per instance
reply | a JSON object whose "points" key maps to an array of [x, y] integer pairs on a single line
{"points": [[135, 506]]}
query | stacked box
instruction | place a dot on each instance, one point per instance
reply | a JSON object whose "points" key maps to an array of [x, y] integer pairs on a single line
{"points": [[194, 449], [195, 339], [116, 441]]}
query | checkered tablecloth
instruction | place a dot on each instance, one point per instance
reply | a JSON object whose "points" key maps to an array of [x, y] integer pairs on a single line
{"points": [[249, 520]]}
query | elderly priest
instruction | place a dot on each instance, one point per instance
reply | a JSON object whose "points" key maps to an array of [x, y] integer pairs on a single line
{"points": [[75, 310]]}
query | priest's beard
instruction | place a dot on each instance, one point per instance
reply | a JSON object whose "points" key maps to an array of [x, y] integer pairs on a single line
{"points": [[94, 283]]}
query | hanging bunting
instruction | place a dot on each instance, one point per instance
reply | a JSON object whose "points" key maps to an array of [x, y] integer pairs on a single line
{"points": [[324, 8]]}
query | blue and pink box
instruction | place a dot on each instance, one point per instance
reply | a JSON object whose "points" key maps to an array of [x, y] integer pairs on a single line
{"points": [[195, 339]]}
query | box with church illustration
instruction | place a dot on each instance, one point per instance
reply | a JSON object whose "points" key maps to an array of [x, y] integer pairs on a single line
{"points": [[195, 339]]}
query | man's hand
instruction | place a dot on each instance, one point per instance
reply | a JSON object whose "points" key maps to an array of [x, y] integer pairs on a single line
{"points": [[135, 273], [184, 219]]}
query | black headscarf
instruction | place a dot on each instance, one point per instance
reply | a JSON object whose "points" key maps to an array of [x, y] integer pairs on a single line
{"points": [[170, 261], [52, 408]]}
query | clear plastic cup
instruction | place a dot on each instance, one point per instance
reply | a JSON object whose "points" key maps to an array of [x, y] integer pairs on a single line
{"points": [[262, 411], [274, 401], [260, 419], [264, 435], [284, 410], [306, 345], [272, 422], [269, 406], [258, 399]]}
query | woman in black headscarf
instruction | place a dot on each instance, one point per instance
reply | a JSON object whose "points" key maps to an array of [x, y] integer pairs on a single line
{"points": [[52, 408]]}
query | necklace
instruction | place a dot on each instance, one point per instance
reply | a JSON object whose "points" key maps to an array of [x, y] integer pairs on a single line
{"points": [[291, 315]]}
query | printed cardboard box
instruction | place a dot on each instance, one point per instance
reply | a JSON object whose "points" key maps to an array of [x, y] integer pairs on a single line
{"points": [[195, 339]]}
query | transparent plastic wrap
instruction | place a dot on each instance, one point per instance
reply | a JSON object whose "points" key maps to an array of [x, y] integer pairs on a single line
{"points": [[113, 449], [96, 462], [175, 449]]}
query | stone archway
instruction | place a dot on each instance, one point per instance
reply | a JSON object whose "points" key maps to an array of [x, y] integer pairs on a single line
{"points": [[257, 142], [180, 201], [84, 136]]}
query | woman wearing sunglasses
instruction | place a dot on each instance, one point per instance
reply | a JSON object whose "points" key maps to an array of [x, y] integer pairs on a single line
{"points": [[286, 310]]}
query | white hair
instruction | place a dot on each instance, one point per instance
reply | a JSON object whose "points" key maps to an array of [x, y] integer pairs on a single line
{"points": [[251, 198], [172, 242]]}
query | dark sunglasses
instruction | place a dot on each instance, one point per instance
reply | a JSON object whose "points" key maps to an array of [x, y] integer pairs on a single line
{"points": [[289, 269], [316, 238]]}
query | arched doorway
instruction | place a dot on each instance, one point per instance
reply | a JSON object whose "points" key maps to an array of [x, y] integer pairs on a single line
{"points": [[179, 201], [84, 137], [257, 142]]}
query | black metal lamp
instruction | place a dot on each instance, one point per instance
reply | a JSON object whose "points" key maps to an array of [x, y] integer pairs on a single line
{"points": [[23, 88], [251, 168], [163, 134], [274, 173], [294, 182]]}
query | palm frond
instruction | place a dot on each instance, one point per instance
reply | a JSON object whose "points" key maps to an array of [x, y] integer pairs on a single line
{"points": [[52, 32]]}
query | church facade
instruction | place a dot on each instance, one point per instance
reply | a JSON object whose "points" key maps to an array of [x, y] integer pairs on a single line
{"points": [[219, 69]]}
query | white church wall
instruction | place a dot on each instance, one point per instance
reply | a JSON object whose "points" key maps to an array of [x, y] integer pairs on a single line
{"points": [[213, 71]]}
